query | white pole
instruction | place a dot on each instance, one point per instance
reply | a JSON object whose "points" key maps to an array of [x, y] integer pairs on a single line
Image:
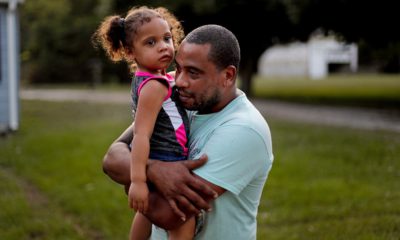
{"points": [[12, 60], [353, 57]]}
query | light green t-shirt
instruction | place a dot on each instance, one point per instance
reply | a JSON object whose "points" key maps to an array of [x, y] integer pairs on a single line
{"points": [[237, 141]]}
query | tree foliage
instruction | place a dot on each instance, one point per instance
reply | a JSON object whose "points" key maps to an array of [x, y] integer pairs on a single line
{"points": [[55, 35], [253, 22], [368, 23], [57, 48]]}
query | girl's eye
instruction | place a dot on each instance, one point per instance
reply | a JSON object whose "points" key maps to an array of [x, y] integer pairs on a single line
{"points": [[151, 42], [167, 38]]}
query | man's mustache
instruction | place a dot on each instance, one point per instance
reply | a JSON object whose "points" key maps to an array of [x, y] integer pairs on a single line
{"points": [[184, 93]]}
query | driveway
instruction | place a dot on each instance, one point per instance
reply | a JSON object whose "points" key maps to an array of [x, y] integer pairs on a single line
{"points": [[353, 117]]}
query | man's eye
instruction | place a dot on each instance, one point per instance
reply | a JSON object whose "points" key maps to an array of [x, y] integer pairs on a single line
{"points": [[193, 72]]}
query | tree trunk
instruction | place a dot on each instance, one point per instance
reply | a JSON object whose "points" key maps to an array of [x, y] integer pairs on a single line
{"points": [[246, 76]]}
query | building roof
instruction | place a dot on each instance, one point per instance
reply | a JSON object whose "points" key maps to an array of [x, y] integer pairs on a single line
{"points": [[11, 1], [12, 4]]}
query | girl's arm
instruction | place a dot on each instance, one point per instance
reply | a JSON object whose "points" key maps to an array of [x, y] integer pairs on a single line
{"points": [[151, 97]]}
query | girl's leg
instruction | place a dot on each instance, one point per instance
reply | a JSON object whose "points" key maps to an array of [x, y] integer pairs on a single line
{"points": [[184, 232], [141, 228]]}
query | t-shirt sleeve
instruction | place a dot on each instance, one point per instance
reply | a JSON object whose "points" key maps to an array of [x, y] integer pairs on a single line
{"points": [[236, 154]]}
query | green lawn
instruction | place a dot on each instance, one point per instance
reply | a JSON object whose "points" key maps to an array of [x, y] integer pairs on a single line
{"points": [[361, 90], [332, 183], [55, 158], [326, 183]]}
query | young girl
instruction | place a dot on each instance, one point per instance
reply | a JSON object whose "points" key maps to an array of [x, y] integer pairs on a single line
{"points": [[146, 38]]}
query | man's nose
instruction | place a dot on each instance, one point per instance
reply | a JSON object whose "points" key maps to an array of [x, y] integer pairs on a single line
{"points": [[180, 81]]}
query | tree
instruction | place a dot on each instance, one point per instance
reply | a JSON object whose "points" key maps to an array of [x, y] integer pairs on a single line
{"points": [[364, 22], [56, 43], [257, 24], [269, 18], [56, 34]]}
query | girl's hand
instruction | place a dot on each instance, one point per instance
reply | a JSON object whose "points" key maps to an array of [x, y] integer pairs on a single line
{"points": [[138, 196]]}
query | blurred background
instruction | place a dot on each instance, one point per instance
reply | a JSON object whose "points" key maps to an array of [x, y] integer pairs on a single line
{"points": [[54, 33], [325, 74]]}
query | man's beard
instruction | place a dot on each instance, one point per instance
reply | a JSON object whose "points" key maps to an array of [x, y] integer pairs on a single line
{"points": [[205, 105], [200, 104]]}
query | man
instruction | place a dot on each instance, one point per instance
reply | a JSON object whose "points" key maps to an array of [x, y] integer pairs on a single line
{"points": [[226, 127]]}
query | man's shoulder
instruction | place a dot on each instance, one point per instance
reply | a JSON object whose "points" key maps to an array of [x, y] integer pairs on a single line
{"points": [[244, 113], [244, 118]]}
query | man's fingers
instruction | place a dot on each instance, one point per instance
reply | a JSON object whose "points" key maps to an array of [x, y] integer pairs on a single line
{"points": [[196, 199], [184, 203], [176, 210], [133, 205], [140, 207], [203, 189], [193, 164]]}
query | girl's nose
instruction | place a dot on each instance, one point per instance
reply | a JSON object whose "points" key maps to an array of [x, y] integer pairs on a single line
{"points": [[163, 46]]}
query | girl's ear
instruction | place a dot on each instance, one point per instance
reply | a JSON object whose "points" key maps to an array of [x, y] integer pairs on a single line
{"points": [[129, 54]]}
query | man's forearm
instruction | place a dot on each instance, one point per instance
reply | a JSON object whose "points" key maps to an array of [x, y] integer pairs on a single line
{"points": [[116, 163], [182, 193], [174, 179]]}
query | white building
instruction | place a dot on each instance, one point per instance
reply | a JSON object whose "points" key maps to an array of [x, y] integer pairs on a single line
{"points": [[309, 59], [9, 65]]}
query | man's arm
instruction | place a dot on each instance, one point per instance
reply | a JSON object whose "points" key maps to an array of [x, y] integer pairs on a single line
{"points": [[178, 185], [117, 161], [183, 190], [160, 212]]}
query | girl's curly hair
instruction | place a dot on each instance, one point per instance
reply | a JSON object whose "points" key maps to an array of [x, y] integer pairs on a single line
{"points": [[116, 34]]}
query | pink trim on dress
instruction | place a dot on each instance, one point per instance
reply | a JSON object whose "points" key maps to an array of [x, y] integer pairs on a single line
{"points": [[141, 74], [181, 137], [154, 78]]}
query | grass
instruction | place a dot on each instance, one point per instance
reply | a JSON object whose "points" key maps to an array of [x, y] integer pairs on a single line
{"points": [[55, 158], [361, 90], [326, 183], [331, 183]]}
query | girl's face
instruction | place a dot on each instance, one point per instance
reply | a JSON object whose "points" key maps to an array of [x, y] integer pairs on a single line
{"points": [[153, 48]]}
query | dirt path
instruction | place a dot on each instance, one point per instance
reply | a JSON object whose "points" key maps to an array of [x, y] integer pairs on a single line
{"points": [[360, 118], [353, 117]]}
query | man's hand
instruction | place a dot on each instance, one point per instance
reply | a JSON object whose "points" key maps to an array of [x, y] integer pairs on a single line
{"points": [[184, 192]]}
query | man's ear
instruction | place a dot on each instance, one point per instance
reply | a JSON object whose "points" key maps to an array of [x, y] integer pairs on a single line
{"points": [[229, 76]]}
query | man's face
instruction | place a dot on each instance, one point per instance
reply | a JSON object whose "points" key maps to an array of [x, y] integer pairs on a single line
{"points": [[198, 80]]}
